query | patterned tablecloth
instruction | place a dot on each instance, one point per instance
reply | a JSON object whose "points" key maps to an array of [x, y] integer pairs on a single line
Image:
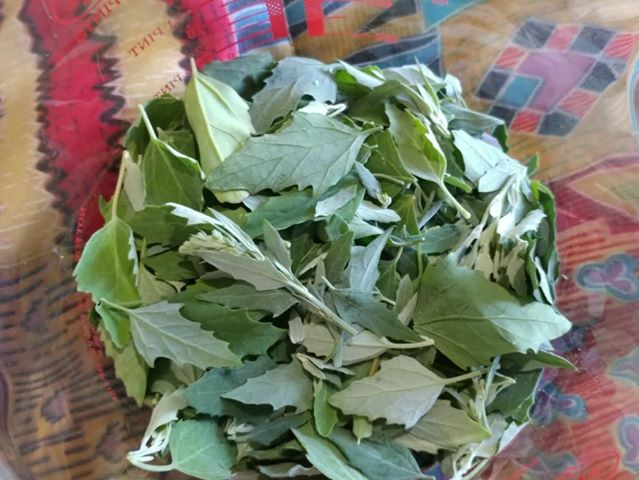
{"points": [[564, 74]]}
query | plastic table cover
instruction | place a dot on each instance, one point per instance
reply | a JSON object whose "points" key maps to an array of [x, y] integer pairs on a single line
{"points": [[564, 74]]}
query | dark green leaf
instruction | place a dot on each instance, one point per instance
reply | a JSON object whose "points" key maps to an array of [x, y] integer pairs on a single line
{"points": [[388, 280], [385, 159], [170, 265], [158, 224], [165, 113], [359, 307], [130, 368], [245, 74], [378, 460], [116, 324], [472, 319], [337, 256], [516, 400], [272, 431], [205, 395], [325, 456], [441, 239], [406, 208], [181, 140], [324, 414], [282, 211], [240, 328], [243, 295]]}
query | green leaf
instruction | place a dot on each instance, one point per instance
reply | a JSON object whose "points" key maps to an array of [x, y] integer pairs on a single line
{"points": [[406, 208], [516, 400], [325, 456], [239, 328], [272, 431], [279, 453], [377, 460], [388, 280], [285, 385], [170, 265], [293, 78], [165, 113], [420, 151], [364, 78], [250, 267], [276, 245], [205, 395], [151, 289], [116, 324], [160, 331], [363, 273], [133, 185], [385, 159], [400, 381], [244, 74], [362, 428], [282, 211], [371, 184], [181, 140], [337, 256], [473, 122], [443, 427], [198, 448], [324, 414], [129, 367], [362, 346], [442, 238], [312, 150], [159, 224], [243, 295], [533, 361], [479, 157], [355, 306], [330, 205], [472, 319], [219, 118], [111, 252], [372, 213]]}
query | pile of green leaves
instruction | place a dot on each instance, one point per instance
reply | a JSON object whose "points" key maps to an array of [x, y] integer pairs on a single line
{"points": [[312, 269]]}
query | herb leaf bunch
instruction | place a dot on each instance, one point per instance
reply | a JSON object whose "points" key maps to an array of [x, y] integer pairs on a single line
{"points": [[312, 269]]}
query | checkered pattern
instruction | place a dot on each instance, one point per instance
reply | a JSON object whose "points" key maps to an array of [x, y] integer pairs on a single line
{"points": [[549, 76]]}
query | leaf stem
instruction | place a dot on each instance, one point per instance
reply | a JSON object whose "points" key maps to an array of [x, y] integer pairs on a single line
{"points": [[118, 189], [319, 307], [463, 212], [389, 178], [396, 346], [374, 366], [466, 376], [114, 305], [147, 122], [420, 260]]}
